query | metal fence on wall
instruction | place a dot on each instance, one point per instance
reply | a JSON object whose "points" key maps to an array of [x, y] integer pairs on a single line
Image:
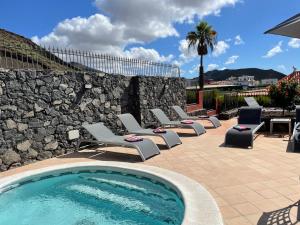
{"points": [[36, 57]]}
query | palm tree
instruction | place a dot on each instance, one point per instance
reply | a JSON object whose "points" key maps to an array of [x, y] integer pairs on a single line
{"points": [[203, 37]]}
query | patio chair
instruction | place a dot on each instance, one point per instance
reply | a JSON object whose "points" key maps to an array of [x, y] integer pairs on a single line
{"points": [[250, 119], [146, 148], [184, 116], [170, 137], [166, 122], [296, 132], [251, 101]]}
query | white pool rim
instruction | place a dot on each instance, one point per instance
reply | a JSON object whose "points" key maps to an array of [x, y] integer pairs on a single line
{"points": [[200, 206]]}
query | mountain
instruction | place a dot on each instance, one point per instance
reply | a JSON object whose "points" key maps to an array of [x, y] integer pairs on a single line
{"points": [[258, 74]]}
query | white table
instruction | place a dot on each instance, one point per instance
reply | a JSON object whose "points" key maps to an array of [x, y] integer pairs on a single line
{"points": [[281, 120]]}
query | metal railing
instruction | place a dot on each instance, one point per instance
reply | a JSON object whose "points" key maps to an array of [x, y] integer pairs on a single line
{"points": [[31, 56]]}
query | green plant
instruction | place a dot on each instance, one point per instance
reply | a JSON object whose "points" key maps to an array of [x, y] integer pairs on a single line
{"points": [[191, 96], [284, 95], [203, 37], [264, 100]]}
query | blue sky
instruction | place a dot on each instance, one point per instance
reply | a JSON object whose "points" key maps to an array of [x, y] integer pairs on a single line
{"points": [[156, 29]]}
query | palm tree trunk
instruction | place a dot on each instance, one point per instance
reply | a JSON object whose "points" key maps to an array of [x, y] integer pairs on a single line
{"points": [[201, 74]]}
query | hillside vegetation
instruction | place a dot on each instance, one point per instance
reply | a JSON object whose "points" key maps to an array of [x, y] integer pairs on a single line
{"points": [[19, 52]]}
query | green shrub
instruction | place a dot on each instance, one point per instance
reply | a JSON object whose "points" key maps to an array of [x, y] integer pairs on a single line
{"points": [[264, 100], [191, 96]]}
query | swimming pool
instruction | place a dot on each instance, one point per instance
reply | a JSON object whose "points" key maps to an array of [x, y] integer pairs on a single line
{"points": [[104, 194]]}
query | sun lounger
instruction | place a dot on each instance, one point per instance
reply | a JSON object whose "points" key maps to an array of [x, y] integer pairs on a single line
{"points": [[249, 118], [170, 137], [184, 116], [166, 122], [296, 132], [146, 148], [251, 101]]}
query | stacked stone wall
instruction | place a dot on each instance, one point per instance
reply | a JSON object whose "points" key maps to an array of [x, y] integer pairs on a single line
{"points": [[41, 111]]}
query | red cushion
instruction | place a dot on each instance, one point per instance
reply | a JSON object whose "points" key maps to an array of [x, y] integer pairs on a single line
{"points": [[133, 139], [187, 121], [159, 131], [241, 127]]}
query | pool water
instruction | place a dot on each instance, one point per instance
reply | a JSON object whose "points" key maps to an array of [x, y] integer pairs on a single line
{"points": [[91, 198]]}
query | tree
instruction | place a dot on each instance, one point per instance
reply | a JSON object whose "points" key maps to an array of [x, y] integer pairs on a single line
{"points": [[284, 94], [202, 38]]}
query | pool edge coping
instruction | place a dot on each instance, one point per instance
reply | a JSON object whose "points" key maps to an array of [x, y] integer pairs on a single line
{"points": [[200, 207]]}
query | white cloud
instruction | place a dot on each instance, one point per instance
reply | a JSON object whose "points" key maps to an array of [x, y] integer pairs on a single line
{"points": [[231, 59], [281, 67], [220, 48], [121, 23], [274, 51], [294, 43], [145, 11], [148, 54], [95, 33], [73, 33], [238, 40], [194, 69], [186, 54], [212, 67]]}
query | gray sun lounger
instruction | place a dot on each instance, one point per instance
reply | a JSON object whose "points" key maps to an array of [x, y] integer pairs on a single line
{"points": [[249, 117], [251, 101], [296, 132], [146, 148], [166, 122], [184, 116], [171, 138]]}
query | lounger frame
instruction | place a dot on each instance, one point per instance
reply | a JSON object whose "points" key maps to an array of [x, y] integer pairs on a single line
{"points": [[145, 148], [171, 138], [166, 122], [184, 116]]}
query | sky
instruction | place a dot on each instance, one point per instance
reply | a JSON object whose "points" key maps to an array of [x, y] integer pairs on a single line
{"points": [[156, 30]]}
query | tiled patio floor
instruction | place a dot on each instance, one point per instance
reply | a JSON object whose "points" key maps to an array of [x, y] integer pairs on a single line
{"points": [[248, 185]]}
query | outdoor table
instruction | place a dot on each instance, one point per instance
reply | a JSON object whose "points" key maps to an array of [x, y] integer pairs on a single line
{"points": [[283, 121]]}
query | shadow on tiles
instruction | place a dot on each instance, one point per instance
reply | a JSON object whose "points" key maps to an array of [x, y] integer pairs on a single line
{"points": [[284, 216]]}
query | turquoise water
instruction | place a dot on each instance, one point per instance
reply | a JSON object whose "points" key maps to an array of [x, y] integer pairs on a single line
{"points": [[87, 198]]}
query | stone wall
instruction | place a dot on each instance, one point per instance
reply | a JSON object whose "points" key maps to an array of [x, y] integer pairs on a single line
{"points": [[157, 92], [38, 110]]}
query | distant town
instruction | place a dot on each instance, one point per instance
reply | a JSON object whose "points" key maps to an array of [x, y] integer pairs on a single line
{"points": [[244, 81]]}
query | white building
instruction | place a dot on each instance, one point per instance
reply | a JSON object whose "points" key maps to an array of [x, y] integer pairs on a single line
{"points": [[269, 81], [244, 80]]}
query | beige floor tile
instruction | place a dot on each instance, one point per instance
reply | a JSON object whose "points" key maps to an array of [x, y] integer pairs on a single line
{"points": [[246, 208], [238, 221], [252, 196], [254, 218], [234, 199], [228, 212], [244, 182], [268, 193], [266, 205]]}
